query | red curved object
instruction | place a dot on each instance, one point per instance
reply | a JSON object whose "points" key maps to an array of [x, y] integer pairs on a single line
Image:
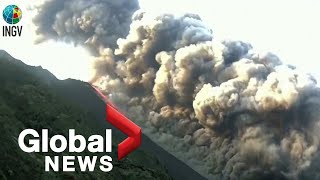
{"points": [[122, 123]]}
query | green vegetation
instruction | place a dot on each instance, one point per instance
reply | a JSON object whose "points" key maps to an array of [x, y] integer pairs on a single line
{"points": [[26, 101]]}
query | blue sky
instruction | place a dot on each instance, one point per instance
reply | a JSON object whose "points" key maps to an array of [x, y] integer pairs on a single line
{"points": [[291, 29]]}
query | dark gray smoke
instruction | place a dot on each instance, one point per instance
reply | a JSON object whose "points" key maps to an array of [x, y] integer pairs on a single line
{"points": [[95, 23], [224, 109]]}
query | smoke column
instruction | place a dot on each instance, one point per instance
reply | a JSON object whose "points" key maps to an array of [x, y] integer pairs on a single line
{"points": [[225, 110], [93, 23]]}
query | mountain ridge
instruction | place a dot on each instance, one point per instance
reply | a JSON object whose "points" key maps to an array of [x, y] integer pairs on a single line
{"points": [[80, 94]]}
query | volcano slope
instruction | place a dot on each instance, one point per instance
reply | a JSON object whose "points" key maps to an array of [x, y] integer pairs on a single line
{"points": [[31, 97]]}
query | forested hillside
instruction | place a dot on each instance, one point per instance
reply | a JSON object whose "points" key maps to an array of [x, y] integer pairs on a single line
{"points": [[27, 101]]}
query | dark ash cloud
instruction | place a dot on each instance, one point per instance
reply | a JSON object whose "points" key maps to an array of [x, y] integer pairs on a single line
{"points": [[221, 107]]}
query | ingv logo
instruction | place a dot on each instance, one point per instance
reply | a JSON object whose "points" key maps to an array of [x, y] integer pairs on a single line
{"points": [[12, 15]]}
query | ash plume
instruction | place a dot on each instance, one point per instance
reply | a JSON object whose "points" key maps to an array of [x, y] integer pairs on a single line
{"points": [[226, 110], [94, 23]]}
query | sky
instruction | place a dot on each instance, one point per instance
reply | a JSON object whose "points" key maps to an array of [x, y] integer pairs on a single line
{"points": [[290, 29]]}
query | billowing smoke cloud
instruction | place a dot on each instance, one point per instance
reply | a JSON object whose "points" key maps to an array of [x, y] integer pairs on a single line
{"points": [[95, 23], [224, 109]]}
